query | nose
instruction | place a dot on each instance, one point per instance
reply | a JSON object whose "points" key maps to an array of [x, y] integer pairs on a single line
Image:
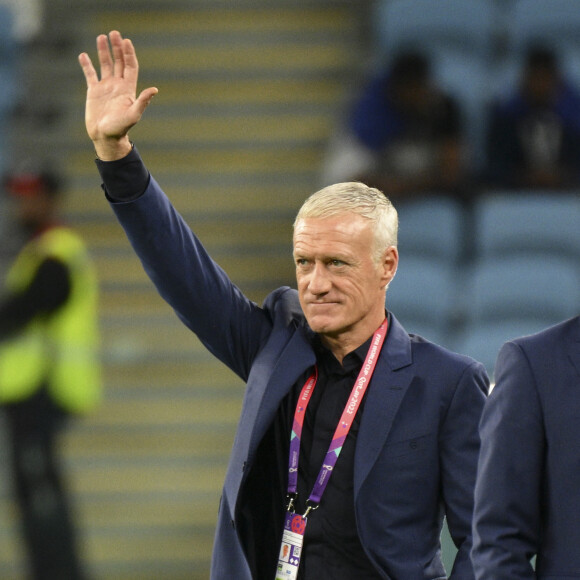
{"points": [[319, 281]]}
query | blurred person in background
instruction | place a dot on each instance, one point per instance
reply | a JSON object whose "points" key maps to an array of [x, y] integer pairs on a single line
{"points": [[534, 132], [403, 135], [49, 367]]}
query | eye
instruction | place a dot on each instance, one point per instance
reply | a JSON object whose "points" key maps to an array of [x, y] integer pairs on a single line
{"points": [[301, 261], [337, 262]]}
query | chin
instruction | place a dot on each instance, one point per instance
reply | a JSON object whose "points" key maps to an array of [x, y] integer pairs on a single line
{"points": [[322, 326], [324, 318]]}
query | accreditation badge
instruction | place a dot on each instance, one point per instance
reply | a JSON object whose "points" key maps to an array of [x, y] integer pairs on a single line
{"points": [[291, 549]]}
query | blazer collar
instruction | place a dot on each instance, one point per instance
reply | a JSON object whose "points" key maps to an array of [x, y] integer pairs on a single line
{"points": [[297, 356], [393, 374]]}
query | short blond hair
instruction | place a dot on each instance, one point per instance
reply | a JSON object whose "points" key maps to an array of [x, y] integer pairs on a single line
{"points": [[360, 199]]}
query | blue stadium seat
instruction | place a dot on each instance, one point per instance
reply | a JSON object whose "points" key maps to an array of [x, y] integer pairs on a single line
{"points": [[423, 298], [432, 227], [443, 25], [523, 287], [544, 222], [483, 340], [526, 272], [8, 63], [555, 23], [8, 71]]}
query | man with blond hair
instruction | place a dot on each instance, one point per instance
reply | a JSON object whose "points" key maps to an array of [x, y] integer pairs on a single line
{"points": [[355, 439]]}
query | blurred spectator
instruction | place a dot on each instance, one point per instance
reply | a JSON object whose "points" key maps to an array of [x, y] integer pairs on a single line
{"points": [[403, 135], [534, 137], [49, 368]]}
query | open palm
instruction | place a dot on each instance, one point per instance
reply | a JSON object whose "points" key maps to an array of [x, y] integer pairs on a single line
{"points": [[112, 106]]}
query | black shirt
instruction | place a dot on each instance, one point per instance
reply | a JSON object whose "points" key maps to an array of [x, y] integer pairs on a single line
{"points": [[332, 548]]}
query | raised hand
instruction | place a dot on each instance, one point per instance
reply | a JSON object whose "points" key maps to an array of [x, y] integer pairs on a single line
{"points": [[112, 105]]}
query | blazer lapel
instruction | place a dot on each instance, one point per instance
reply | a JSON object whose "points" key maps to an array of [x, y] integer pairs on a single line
{"points": [[393, 374], [293, 361], [273, 375]]}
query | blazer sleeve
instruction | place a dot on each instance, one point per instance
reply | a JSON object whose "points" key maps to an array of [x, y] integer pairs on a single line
{"points": [[506, 520], [231, 326], [459, 445]]}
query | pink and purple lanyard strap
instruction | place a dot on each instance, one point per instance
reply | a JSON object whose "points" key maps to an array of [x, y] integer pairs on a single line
{"points": [[342, 429]]}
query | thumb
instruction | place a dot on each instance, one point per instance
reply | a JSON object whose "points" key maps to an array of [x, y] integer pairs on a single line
{"points": [[144, 98]]}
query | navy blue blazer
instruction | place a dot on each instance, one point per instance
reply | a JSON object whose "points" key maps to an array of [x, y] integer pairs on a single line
{"points": [[417, 446], [528, 487]]}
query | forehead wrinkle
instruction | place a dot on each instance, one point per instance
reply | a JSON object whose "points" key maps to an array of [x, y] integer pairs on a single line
{"points": [[331, 230], [323, 247]]}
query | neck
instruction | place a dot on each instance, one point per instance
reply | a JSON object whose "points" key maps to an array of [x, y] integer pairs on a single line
{"points": [[345, 343]]}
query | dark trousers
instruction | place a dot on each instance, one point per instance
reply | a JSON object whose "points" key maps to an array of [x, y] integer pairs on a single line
{"points": [[33, 428]]}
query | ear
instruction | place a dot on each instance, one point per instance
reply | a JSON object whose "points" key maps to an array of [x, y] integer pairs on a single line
{"points": [[389, 265]]}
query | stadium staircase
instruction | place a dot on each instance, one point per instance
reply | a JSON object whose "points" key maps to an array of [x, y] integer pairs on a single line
{"points": [[249, 92]]}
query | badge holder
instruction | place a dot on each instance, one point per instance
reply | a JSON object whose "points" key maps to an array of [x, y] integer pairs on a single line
{"points": [[292, 541]]}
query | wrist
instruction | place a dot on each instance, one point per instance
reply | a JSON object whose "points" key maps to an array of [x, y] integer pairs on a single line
{"points": [[112, 149]]}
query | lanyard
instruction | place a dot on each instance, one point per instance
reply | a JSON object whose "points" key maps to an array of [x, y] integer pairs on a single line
{"points": [[342, 429]]}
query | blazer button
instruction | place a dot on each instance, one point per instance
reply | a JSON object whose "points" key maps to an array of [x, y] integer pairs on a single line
{"points": [[233, 524], [413, 444]]}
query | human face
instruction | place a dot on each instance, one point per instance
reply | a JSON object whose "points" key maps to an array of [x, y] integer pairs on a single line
{"points": [[341, 287], [34, 211], [541, 85]]}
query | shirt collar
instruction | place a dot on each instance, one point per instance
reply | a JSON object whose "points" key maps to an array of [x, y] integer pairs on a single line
{"points": [[352, 361]]}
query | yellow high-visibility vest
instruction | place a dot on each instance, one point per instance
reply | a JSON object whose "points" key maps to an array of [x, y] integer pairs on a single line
{"points": [[60, 350]]}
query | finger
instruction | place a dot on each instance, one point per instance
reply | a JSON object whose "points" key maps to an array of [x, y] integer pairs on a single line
{"points": [[130, 60], [141, 103], [105, 59], [88, 69], [143, 100], [116, 41]]}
